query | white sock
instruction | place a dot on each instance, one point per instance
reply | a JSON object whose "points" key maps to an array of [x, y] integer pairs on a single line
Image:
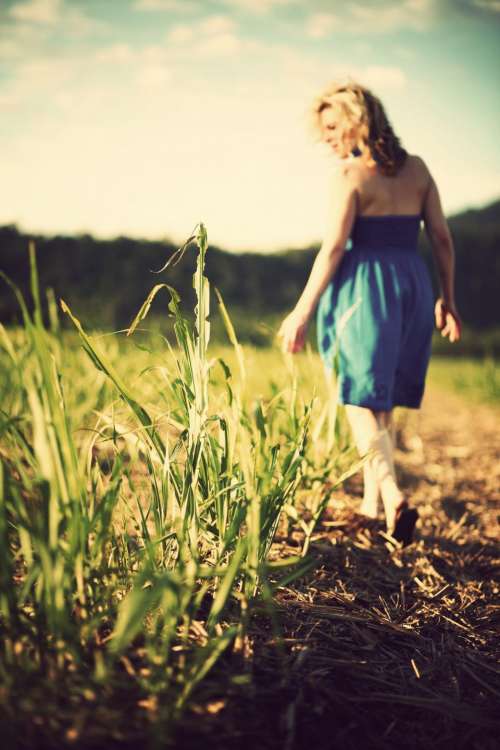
{"points": [[369, 506], [372, 437], [383, 466]]}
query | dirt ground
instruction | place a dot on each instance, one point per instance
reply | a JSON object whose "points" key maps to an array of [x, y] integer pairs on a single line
{"points": [[385, 647], [376, 646], [448, 463]]}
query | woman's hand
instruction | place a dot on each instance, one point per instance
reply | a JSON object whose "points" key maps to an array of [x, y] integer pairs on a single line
{"points": [[293, 330], [447, 320]]}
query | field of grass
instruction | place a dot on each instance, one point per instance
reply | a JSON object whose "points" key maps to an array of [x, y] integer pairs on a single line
{"points": [[175, 536], [475, 379]]}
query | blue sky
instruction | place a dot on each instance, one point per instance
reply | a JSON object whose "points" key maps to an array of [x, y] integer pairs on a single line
{"points": [[144, 117]]}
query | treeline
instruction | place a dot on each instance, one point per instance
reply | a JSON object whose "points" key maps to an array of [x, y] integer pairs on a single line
{"points": [[106, 281]]}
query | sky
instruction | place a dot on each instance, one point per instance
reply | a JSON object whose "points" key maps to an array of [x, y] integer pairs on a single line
{"points": [[144, 117]]}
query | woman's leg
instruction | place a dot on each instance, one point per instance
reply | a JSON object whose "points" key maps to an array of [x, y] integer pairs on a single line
{"points": [[391, 429], [371, 489], [370, 433], [371, 492]]}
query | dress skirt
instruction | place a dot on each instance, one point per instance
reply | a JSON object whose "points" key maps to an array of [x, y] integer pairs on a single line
{"points": [[376, 317]]}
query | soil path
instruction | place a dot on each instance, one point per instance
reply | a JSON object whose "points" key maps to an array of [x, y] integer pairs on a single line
{"points": [[448, 462], [386, 647]]}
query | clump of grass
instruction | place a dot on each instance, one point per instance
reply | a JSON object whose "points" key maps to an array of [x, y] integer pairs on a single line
{"points": [[217, 473]]}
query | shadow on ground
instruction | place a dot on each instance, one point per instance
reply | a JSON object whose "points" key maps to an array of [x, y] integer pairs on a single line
{"points": [[381, 647]]}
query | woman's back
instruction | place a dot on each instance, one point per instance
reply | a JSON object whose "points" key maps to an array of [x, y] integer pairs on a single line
{"points": [[380, 195]]}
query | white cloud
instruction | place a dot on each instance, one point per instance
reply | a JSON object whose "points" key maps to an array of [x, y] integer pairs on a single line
{"points": [[165, 5], [211, 26], [258, 6], [20, 37], [153, 54], [153, 76], [148, 67], [115, 53], [310, 73], [88, 83], [373, 18], [37, 11], [493, 5], [54, 15], [217, 25], [370, 18], [33, 78], [220, 45], [383, 76], [320, 25], [213, 36], [180, 34]]}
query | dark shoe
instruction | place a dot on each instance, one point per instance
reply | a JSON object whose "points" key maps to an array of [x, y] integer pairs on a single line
{"points": [[406, 518]]}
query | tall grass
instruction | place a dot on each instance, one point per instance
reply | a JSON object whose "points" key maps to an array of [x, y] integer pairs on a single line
{"points": [[152, 528]]}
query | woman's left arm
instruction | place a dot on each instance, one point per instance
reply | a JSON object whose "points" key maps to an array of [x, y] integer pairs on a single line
{"points": [[342, 212]]}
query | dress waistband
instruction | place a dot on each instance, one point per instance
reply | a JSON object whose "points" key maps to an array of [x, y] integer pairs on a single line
{"points": [[378, 232], [382, 247]]}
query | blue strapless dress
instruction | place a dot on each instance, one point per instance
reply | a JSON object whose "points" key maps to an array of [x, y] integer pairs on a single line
{"points": [[377, 314]]}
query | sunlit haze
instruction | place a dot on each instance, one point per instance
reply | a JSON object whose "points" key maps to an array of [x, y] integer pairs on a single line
{"points": [[143, 117]]}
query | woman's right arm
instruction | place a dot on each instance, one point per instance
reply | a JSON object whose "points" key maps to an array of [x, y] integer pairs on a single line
{"points": [[438, 232]]}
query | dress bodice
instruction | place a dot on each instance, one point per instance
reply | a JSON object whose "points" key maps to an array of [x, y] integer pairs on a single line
{"points": [[389, 230]]}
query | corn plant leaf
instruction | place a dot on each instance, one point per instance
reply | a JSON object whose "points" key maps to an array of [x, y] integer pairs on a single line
{"points": [[226, 584], [147, 304]]}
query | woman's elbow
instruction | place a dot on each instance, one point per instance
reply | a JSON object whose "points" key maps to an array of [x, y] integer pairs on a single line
{"points": [[333, 252], [439, 234]]}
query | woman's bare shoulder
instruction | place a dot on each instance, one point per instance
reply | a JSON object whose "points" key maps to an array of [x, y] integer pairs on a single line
{"points": [[418, 164]]}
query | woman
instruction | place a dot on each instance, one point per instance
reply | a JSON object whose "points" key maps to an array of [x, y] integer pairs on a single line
{"points": [[376, 306]]}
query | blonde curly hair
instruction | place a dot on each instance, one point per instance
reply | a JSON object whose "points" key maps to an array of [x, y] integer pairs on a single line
{"points": [[362, 115]]}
